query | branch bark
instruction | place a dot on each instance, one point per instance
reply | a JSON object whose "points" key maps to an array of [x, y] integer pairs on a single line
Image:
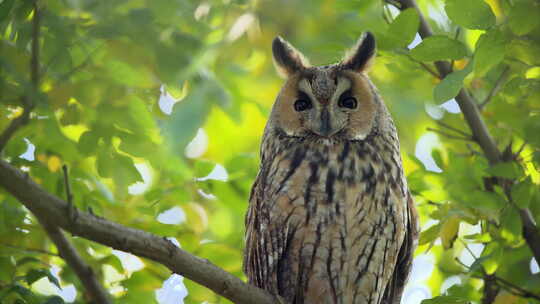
{"points": [[138, 242], [479, 130], [74, 260]]}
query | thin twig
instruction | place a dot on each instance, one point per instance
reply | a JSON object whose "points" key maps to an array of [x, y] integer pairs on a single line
{"points": [[69, 196], [72, 211], [445, 125], [426, 67], [496, 87], [510, 287], [14, 125], [75, 69], [75, 261], [28, 101], [456, 36], [451, 136], [523, 292], [135, 241], [479, 130]]}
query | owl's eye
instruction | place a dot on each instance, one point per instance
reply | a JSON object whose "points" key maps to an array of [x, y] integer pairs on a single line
{"points": [[347, 101], [302, 103]]}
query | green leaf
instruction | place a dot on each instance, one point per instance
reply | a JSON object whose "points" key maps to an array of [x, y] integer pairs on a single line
{"points": [[472, 14], [190, 113], [532, 129], [449, 231], [450, 86], [511, 228], [124, 73], [523, 192], [509, 170], [105, 164], [429, 235], [26, 260], [88, 142], [5, 8], [34, 275], [21, 290], [439, 48], [446, 300], [125, 171], [402, 30], [114, 261], [490, 51], [8, 268], [54, 300], [483, 200], [520, 18]]}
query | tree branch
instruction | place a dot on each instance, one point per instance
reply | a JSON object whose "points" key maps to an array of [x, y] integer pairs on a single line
{"points": [[479, 130], [68, 252], [138, 242], [74, 260], [496, 87], [28, 102]]}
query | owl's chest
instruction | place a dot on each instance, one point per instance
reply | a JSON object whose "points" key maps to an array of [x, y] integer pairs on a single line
{"points": [[331, 180]]}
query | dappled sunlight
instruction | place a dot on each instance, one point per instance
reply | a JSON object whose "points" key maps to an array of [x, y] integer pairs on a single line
{"points": [[156, 109]]}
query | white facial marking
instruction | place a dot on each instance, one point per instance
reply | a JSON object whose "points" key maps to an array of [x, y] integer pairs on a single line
{"points": [[305, 87], [343, 85]]}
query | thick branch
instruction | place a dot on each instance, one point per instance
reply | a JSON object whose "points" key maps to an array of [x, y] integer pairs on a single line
{"points": [[74, 260], [479, 130], [138, 242]]}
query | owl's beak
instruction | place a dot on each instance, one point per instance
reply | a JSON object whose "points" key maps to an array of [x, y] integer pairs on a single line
{"points": [[324, 127]]}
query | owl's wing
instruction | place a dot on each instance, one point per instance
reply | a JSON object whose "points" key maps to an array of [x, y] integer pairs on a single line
{"points": [[266, 242], [394, 289]]}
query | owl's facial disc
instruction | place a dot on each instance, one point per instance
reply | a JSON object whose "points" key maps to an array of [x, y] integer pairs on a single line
{"points": [[334, 101], [326, 116]]}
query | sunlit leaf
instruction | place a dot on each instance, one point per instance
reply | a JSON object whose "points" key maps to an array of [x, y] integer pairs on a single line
{"points": [[472, 14], [446, 300], [402, 30], [449, 231], [439, 48], [450, 86], [523, 192], [508, 170], [35, 274], [490, 51], [511, 227], [88, 142], [519, 18], [429, 235]]}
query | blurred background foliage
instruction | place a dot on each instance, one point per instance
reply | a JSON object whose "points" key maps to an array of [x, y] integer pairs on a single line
{"points": [[157, 107]]}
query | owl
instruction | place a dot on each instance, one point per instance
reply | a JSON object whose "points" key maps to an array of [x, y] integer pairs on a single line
{"points": [[330, 217]]}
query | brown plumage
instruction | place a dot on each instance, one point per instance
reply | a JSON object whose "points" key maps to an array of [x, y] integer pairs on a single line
{"points": [[330, 218]]}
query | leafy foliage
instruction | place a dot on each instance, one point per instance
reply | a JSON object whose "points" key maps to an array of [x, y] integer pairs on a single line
{"points": [[127, 85]]}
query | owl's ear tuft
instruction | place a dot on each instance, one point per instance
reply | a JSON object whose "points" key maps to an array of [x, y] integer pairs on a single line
{"points": [[287, 59], [360, 57]]}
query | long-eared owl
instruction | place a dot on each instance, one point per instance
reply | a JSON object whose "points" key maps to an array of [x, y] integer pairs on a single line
{"points": [[330, 218]]}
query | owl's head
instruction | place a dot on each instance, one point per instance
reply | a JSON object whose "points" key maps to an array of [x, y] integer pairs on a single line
{"points": [[334, 101]]}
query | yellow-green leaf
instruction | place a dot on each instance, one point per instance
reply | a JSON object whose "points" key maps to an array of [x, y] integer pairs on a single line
{"points": [[439, 48], [472, 14]]}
